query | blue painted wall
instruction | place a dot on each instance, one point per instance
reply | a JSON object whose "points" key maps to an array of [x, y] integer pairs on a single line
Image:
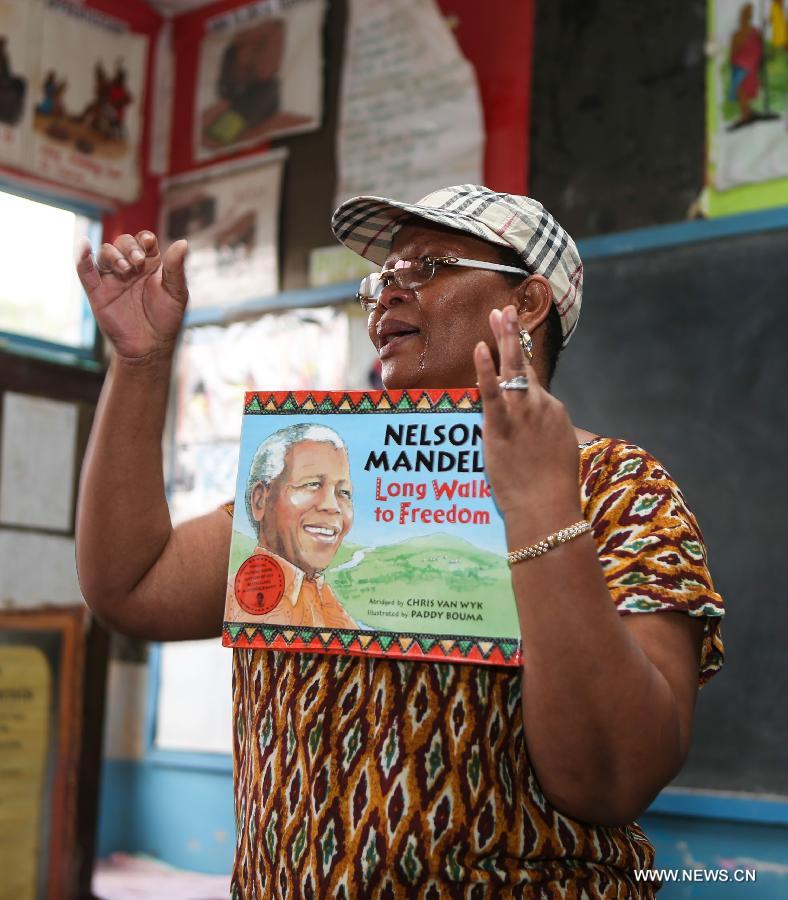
{"points": [[184, 816]]}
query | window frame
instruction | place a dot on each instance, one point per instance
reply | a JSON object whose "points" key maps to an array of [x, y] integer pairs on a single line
{"points": [[89, 356]]}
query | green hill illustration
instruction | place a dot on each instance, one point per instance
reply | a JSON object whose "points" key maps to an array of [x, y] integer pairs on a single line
{"points": [[437, 584], [241, 548]]}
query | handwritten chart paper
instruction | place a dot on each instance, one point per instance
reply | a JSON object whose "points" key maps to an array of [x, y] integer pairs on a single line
{"points": [[410, 113]]}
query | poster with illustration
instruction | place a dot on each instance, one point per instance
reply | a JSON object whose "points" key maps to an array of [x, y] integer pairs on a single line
{"points": [[229, 215], [748, 93], [19, 26], [216, 366], [364, 524], [259, 75], [87, 101]]}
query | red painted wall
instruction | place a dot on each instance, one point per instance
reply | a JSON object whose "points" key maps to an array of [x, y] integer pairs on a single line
{"points": [[497, 38]]}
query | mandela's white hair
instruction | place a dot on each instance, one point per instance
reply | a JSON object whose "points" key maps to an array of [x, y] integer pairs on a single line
{"points": [[269, 461]]}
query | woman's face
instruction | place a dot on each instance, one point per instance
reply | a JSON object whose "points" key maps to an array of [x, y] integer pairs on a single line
{"points": [[425, 337]]}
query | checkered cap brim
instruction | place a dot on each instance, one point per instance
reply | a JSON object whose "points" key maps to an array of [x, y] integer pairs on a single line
{"points": [[367, 226]]}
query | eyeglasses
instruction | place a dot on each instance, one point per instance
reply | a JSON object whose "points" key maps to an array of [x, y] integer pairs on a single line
{"points": [[409, 274]]}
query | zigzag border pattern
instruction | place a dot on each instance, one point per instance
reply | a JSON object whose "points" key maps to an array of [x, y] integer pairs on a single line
{"points": [[260, 403], [394, 645]]}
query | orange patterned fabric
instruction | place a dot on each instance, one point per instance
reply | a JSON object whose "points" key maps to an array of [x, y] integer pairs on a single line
{"points": [[362, 777]]}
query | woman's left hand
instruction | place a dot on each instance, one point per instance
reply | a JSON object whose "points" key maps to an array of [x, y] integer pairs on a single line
{"points": [[531, 454]]}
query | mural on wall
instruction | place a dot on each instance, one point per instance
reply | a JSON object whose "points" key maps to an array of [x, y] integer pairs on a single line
{"points": [[72, 82], [228, 213], [259, 75], [748, 94]]}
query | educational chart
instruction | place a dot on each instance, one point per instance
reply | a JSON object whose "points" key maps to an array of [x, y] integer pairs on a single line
{"points": [[364, 524], [410, 118], [229, 213], [748, 93], [72, 83], [259, 75]]}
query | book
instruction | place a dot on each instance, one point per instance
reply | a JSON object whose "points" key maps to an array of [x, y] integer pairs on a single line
{"points": [[363, 523]]}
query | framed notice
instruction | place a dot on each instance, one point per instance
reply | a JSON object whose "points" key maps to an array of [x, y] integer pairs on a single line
{"points": [[41, 664], [364, 524]]}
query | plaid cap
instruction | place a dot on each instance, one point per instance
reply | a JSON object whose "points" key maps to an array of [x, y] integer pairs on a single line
{"points": [[367, 226]]}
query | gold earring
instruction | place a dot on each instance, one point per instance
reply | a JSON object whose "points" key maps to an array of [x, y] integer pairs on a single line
{"points": [[527, 344]]}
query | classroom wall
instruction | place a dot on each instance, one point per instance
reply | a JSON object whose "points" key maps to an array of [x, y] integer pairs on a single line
{"points": [[618, 112], [616, 143], [45, 416]]}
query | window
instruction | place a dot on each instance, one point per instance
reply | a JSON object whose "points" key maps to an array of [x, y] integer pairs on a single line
{"points": [[42, 304]]}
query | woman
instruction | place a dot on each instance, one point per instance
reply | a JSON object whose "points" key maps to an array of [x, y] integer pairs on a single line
{"points": [[746, 55], [359, 777]]}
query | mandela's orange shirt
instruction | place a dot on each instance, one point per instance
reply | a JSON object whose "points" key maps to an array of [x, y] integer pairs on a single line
{"points": [[305, 601]]}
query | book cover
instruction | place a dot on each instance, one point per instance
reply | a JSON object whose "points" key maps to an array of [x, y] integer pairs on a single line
{"points": [[364, 524]]}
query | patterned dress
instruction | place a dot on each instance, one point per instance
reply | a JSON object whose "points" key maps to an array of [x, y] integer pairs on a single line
{"points": [[360, 777]]}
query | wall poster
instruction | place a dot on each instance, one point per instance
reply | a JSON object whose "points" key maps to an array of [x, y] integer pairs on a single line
{"points": [[72, 83], [229, 214], [748, 92], [259, 75], [216, 366], [18, 71]]}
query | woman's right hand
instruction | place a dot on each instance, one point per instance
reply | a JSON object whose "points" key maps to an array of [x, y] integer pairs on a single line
{"points": [[137, 295]]}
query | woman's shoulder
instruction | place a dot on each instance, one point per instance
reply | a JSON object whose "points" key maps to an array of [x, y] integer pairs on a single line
{"points": [[618, 473], [616, 459]]}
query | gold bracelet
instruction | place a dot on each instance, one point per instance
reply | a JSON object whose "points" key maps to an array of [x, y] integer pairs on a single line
{"points": [[552, 540]]}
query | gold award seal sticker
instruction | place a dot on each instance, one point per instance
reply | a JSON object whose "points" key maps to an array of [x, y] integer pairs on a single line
{"points": [[259, 585]]}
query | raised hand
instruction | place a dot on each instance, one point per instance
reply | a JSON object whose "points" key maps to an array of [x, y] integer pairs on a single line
{"points": [[530, 448], [137, 295]]}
